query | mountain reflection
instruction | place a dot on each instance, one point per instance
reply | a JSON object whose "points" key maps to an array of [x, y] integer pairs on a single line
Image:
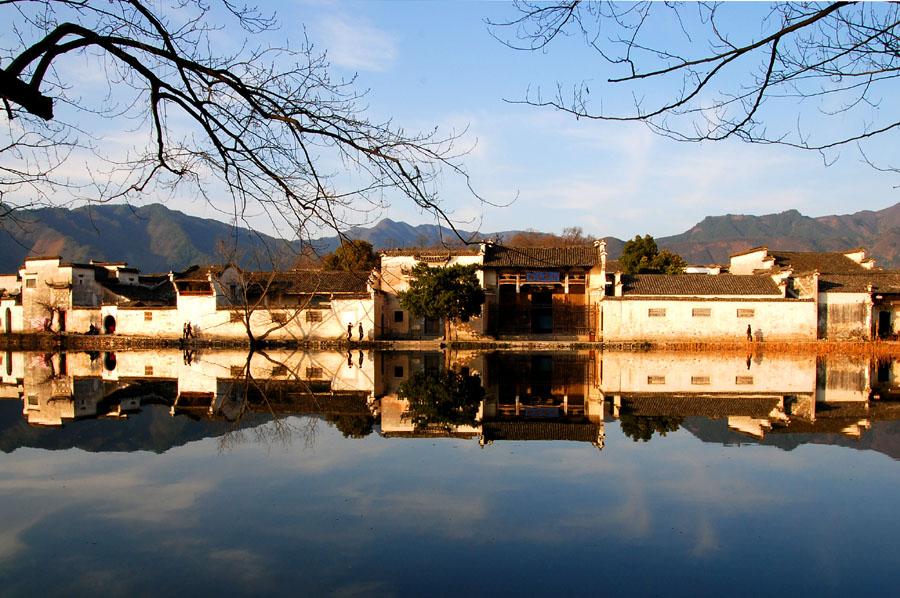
{"points": [[492, 397]]}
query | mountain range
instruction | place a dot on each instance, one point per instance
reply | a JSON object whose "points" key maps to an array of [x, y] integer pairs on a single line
{"points": [[158, 239]]}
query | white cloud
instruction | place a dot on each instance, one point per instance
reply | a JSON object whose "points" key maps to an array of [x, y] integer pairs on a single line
{"points": [[356, 45]]}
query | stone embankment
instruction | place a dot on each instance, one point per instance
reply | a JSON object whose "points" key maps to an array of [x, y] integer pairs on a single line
{"points": [[79, 342]]}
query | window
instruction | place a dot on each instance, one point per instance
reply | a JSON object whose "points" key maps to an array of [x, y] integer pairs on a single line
{"points": [[743, 379], [656, 379], [237, 371], [657, 312], [701, 312], [313, 373], [699, 379], [148, 316], [398, 316], [30, 283], [279, 370], [236, 316], [148, 370], [746, 313], [398, 371], [313, 315], [279, 317], [32, 401]]}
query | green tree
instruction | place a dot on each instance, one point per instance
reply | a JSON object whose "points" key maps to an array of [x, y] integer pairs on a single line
{"points": [[356, 255], [352, 426], [452, 293], [642, 427], [642, 256], [446, 398]]}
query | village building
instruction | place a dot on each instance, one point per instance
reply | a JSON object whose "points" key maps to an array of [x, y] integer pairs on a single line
{"points": [[394, 322], [701, 307]]}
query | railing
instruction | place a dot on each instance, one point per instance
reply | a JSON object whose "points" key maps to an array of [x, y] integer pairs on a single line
{"points": [[564, 320]]}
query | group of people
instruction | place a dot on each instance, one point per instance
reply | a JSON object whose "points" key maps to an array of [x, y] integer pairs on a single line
{"points": [[350, 331], [187, 331]]}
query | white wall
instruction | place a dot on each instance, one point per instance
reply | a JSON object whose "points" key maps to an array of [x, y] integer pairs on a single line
{"points": [[626, 320]]}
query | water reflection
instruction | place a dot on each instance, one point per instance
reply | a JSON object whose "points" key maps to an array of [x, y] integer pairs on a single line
{"points": [[489, 397]]}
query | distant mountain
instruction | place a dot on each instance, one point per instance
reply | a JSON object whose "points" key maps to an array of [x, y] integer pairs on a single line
{"points": [[158, 239], [153, 238], [714, 239]]}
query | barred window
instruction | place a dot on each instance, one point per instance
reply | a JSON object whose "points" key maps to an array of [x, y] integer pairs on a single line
{"points": [[398, 371], [657, 312], [237, 371], [743, 379], [746, 313], [398, 316], [279, 370], [30, 283], [148, 370], [701, 312], [148, 316], [313, 373], [656, 379], [699, 379], [279, 317], [313, 315]]}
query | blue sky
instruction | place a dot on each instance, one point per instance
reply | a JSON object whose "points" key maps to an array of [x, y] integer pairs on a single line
{"points": [[435, 64], [430, 64]]}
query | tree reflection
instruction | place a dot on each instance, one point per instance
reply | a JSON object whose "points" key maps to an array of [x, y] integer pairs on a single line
{"points": [[642, 427], [442, 399]]}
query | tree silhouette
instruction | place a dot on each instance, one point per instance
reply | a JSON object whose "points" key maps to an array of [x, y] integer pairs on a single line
{"points": [[265, 125], [641, 256], [711, 71], [445, 398]]}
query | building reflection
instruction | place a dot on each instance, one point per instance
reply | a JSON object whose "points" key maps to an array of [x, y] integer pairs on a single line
{"points": [[494, 397]]}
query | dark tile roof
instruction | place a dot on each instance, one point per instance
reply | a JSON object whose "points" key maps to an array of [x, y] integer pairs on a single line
{"points": [[198, 273], [694, 405], [311, 281], [133, 294], [498, 256], [442, 253], [824, 262], [882, 282], [698, 284], [518, 430]]}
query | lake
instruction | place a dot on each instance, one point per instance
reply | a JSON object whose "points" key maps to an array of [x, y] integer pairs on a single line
{"points": [[392, 474]]}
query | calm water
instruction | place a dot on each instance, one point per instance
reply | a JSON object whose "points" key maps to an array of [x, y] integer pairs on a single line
{"points": [[329, 474]]}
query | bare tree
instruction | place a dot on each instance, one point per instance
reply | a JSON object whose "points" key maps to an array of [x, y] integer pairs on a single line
{"points": [[710, 71], [268, 125]]}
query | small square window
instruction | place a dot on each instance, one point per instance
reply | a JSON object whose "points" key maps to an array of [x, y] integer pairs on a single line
{"points": [[30, 283], [657, 312], [279, 370], [701, 312], [148, 370], [279, 317], [148, 316], [398, 316], [313, 373], [743, 380], [656, 379], [398, 371], [32, 401], [700, 380], [313, 315], [237, 371], [746, 313]]}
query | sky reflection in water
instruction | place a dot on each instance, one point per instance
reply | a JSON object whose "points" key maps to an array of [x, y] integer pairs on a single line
{"points": [[314, 513]]}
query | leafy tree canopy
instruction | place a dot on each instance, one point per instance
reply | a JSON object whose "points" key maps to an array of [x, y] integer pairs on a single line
{"points": [[451, 292], [642, 427], [570, 236], [446, 398], [642, 256], [357, 255]]}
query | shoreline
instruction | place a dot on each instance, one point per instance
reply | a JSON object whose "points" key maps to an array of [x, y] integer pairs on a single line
{"points": [[79, 342]]}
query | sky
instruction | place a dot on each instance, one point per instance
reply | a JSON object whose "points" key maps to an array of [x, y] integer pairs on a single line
{"points": [[435, 64]]}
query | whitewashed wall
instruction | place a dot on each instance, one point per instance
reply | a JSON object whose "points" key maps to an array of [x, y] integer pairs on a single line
{"points": [[624, 320]]}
